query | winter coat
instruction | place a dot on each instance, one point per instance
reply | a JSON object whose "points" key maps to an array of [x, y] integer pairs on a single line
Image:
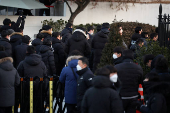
{"points": [[98, 43], [159, 99], [20, 53], [78, 42], [118, 60], [32, 66], [136, 36], [37, 44], [8, 48], [9, 78], [66, 34], [59, 55], [131, 75], [84, 82], [101, 98], [5, 27], [48, 59], [67, 77], [47, 34]]}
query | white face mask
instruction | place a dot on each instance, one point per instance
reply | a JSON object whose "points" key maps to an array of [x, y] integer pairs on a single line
{"points": [[113, 78], [115, 56], [91, 33], [78, 68]]}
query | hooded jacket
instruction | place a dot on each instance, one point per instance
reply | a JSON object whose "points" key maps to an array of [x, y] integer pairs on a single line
{"points": [[48, 59], [78, 42], [37, 44], [8, 48], [47, 34], [9, 78], [68, 78], [66, 34], [101, 98]]}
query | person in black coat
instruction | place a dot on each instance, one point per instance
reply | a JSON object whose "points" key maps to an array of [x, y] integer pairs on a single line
{"points": [[117, 55], [84, 81], [9, 79], [98, 43], [47, 31], [100, 98], [48, 57], [67, 32], [78, 42], [59, 53], [131, 75], [38, 42], [6, 43], [20, 50]]}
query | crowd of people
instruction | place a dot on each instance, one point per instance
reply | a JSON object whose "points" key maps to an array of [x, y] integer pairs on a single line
{"points": [[74, 56]]}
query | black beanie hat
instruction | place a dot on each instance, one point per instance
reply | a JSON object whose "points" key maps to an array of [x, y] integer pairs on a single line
{"points": [[105, 25], [69, 25], [46, 27], [3, 54]]}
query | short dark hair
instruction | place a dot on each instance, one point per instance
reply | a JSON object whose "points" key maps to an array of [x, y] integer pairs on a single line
{"points": [[84, 60], [99, 27], [47, 41], [161, 64], [153, 35], [56, 34], [30, 49], [111, 68], [5, 33], [137, 29], [81, 28], [69, 25], [46, 27], [128, 54], [6, 21], [40, 36], [18, 30], [2, 48], [139, 41], [103, 72], [26, 39], [147, 58], [90, 28], [143, 34], [118, 49]]}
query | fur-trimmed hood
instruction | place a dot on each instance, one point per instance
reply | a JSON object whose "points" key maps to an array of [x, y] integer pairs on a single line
{"points": [[17, 33], [46, 32], [6, 64], [72, 58], [5, 59]]}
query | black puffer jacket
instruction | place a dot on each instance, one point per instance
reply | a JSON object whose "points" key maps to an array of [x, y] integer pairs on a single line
{"points": [[48, 59], [84, 82], [32, 66], [8, 48], [20, 53], [78, 42], [47, 34], [59, 55], [66, 34], [9, 78], [37, 44], [136, 36], [131, 75], [101, 98], [98, 43]]}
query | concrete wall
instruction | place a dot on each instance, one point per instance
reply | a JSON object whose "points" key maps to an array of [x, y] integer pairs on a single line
{"points": [[144, 13]]}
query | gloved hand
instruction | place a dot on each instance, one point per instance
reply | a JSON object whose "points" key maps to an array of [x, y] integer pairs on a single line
{"points": [[138, 104]]}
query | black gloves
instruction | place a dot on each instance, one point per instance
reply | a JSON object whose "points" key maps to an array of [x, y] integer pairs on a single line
{"points": [[138, 104]]}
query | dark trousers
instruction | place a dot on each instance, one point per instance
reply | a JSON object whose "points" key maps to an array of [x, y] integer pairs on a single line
{"points": [[47, 12], [71, 108], [129, 105], [6, 109]]}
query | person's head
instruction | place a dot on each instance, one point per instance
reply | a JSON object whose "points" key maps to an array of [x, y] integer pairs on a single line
{"points": [[140, 42], [7, 21], [2, 48], [81, 29], [113, 73], [69, 25], [144, 35], [47, 41], [57, 35], [82, 63], [154, 36], [5, 34], [103, 72], [90, 30], [40, 36], [47, 28], [128, 54], [30, 50], [99, 27], [138, 30], [120, 30], [3, 54], [10, 31], [19, 30], [106, 26], [26, 39], [161, 64], [148, 59], [117, 52]]}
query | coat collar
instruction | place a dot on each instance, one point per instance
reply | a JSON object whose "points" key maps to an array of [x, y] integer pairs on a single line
{"points": [[6, 59], [17, 33]]}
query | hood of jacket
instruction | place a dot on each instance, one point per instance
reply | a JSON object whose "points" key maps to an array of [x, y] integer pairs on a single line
{"points": [[70, 58], [4, 39], [33, 59], [45, 48], [5, 27], [36, 42], [103, 33], [46, 33], [55, 40], [6, 63], [101, 81], [14, 36], [79, 35], [65, 31]]}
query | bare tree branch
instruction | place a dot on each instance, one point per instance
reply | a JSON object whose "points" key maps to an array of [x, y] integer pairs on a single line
{"points": [[68, 6]]}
